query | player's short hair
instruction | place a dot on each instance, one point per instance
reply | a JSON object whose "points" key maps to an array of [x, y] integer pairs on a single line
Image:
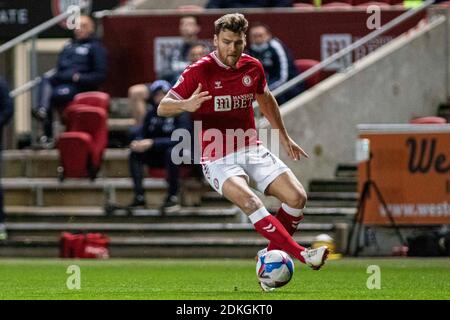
{"points": [[234, 22]]}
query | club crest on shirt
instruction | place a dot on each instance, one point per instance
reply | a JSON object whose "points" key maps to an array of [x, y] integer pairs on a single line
{"points": [[247, 80]]}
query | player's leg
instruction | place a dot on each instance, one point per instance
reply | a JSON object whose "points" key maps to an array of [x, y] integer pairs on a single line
{"points": [[273, 177], [137, 97], [293, 197], [236, 190]]}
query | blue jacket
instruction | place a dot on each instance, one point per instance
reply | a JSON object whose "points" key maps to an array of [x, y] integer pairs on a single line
{"points": [[221, 4], [278, 63], [88, 58], [160, 128], [6, 104]]}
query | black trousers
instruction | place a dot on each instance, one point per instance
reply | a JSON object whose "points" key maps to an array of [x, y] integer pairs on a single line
{"points": [[153, 159], [52, 93]]}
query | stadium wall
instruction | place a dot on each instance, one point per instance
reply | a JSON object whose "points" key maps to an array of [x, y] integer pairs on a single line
{"points": [[406, 78]]}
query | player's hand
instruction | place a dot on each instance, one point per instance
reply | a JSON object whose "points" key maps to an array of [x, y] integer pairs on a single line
{"points": [[141, 145], [294, 150], [196, 100]]}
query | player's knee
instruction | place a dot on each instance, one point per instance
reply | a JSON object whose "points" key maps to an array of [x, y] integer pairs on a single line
{"points": [[251, 204], [297, 199]]}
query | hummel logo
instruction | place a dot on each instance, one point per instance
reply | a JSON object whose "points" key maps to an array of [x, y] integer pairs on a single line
{"points": [[218, 85], [270, 228]]}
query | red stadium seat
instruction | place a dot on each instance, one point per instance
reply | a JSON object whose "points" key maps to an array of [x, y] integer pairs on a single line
{"points": [[303, 65], [81, 149], [428, 120], [74, 164], [93, 99], [337, 5], [365, 4], [68, 113]]}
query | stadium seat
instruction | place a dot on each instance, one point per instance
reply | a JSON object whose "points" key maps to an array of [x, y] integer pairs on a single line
{"points": [[68, 113], [93, 99], [74, 164], [337, 5], [365, 4], [428, 120], [81, 150], [303, 65]]}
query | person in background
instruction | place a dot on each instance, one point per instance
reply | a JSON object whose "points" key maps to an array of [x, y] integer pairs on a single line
{"points": [[189, 29], [81, 67], [6, 113], [139, 94], [153, 147], [276, 59]]}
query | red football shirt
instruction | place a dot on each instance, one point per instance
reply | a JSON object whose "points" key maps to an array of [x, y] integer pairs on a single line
{"points": [[230, 110]]}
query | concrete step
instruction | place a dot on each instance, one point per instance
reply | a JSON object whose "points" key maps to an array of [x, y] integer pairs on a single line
{"points": [[333, 185], [44, 163], [97, 215], [82, 192], [332, 196], [150, 247], [188, 230], [347, 170]]}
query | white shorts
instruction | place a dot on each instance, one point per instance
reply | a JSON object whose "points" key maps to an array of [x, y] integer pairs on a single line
{"points": [[257, 164]]}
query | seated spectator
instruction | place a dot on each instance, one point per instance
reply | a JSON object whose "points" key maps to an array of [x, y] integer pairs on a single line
{"points": [[189, 29], [81, 67], [139, 94], [153, 147], [276, 59], [6, 112], [223, 4]]}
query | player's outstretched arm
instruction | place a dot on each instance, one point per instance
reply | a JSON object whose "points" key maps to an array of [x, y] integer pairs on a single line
{"points": [[269, 108], [170, 106]]}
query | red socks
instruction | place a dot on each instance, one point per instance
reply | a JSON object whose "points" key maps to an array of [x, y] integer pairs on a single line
{"points": [[272, 229], [289, 218]]}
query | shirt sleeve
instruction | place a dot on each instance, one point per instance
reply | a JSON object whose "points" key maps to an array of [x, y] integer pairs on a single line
{"points": [[186, 85], [262, 82]]}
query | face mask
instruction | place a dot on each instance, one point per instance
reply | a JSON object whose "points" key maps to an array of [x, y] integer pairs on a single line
{"points": [[259, 47]]}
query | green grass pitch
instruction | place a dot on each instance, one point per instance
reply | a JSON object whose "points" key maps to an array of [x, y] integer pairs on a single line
{"points": [[227, 279]]}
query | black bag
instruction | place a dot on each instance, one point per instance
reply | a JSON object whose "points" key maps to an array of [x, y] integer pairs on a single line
{"points": [[430, 244]]}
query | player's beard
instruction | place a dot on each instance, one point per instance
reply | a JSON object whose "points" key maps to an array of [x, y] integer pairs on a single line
{"points": [[231, 61]]}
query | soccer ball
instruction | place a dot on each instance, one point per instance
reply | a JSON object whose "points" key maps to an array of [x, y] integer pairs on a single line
{"points": [[274, 269]]}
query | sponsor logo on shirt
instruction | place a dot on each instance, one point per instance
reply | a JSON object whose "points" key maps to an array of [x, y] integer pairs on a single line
{"points": [[228, 103], [222, 103]]}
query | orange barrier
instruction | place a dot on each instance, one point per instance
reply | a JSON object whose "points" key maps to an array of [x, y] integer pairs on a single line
{"points": [[411, 166]]}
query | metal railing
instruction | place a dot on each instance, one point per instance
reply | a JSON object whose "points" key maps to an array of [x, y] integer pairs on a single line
{"points": [[343, 52], [33, 35]]}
